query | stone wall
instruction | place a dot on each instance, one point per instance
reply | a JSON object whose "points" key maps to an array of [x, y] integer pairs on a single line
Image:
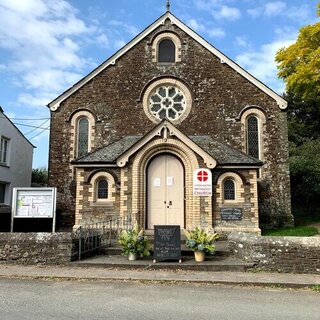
{"points": [[36, 248], [280, 254]]}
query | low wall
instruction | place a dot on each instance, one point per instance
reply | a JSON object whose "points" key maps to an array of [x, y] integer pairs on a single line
{"points": [[280, 254], [36, 248]]}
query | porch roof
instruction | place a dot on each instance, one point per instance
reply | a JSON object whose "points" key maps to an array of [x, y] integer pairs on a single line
{"points": [[222, 153]]}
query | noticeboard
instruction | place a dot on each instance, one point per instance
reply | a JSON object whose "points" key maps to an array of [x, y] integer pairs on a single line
{"points": [[167, 243], [34, 203], [230, 214]]}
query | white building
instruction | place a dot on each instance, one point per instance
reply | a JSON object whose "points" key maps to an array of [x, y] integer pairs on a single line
{"points": [[16, 154]]}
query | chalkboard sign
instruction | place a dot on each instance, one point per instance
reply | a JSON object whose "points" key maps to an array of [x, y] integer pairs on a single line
{"points": [[167, 243], [231, 214]]}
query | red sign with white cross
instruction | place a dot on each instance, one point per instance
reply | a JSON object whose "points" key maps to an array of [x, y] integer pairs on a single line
{"points": [[202, 175], [202, 183]]}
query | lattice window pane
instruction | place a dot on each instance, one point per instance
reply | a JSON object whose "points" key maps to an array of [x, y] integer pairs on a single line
{"points": [[167, 102], [83, 137], [229, 190], [253, 137], [102, 192], [167, 51]]}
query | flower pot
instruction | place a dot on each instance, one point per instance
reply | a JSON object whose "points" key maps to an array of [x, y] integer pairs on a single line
{"points": [[199, 256], [132, 256]]}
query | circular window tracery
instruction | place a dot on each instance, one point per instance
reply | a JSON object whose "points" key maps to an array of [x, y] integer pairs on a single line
{"points": [[167, 102], [167, 99]]}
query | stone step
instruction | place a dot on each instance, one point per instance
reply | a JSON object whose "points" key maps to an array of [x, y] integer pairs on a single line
{"points": [[221, 249], [211, 264]]}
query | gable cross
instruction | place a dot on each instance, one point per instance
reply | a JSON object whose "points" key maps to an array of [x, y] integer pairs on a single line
{"points": [[168, 5]]}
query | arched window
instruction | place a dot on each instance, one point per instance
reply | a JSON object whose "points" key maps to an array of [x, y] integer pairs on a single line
{"points": [[167, 51], [229, 190], [102, 189], [83, 137], [253, 137]]}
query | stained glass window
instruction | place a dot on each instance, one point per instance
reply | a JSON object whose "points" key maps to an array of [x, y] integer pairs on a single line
{"points": [[253, 137], [229, 189], [83, 137], [167, 51], [102, 189], [167, 102]]}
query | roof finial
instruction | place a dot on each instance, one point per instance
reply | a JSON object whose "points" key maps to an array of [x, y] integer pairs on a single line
{"points": [[168, 5]]}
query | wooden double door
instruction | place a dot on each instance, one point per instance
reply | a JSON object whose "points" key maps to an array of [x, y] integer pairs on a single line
{"points": [[165, 191]]}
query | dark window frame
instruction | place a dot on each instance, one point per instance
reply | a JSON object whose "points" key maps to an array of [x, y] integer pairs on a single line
{"points": [[166, 51], [102, 191], [229, 191]]}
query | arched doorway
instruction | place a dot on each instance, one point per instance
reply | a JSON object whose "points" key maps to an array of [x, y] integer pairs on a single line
{"points": [[165, 191]]}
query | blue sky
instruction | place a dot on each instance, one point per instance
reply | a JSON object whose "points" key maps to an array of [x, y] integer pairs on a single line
{"points": [[48, 45]]}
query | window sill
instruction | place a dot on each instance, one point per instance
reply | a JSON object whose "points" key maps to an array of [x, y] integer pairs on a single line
{"points": [[107, 203], [4, 165]]}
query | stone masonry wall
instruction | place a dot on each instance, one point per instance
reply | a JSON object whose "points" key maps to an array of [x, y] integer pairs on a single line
{"points": [[280, 254], [36, 248], [219, 95]]}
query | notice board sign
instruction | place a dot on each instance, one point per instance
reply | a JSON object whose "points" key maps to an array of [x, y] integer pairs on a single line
{"points": [[167, 243], [34, 203], [230, 214]]}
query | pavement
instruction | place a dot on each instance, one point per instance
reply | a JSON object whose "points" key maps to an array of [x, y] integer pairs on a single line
{"points": [[98, 273]]}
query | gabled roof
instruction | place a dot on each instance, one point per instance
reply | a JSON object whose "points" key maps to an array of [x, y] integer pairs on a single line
{"points": [[212, 152], [55, 104], [5, 117]]}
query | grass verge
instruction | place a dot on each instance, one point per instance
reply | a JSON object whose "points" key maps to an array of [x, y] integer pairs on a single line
{"points": [[300, 231]]}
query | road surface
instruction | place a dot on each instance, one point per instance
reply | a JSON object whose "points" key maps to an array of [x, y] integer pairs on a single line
{"points": [[40, 299]]}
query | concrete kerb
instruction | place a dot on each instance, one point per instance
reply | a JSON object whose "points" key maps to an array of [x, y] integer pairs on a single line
{"points": [[67, 273]]}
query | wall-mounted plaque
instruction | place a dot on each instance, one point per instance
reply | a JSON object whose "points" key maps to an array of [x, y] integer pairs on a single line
{"points": [[167, 243], [231, 214]]}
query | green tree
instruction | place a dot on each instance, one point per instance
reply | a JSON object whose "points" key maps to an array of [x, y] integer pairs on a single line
{"points": [[305, 173], [299, 64], [299, 67], [40, 176]]}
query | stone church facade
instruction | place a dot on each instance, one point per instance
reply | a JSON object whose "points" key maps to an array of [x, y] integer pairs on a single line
{"points": [[127, 139]]}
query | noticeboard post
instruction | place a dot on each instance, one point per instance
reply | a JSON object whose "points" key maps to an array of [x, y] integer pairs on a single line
{"points": [[34, 203]]}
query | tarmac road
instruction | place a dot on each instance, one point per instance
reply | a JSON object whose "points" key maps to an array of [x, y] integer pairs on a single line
{"points": [[39, 299]]}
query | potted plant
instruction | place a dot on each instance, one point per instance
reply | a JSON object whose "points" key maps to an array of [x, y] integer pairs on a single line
{"points": [[134, 243], [201, 242]]}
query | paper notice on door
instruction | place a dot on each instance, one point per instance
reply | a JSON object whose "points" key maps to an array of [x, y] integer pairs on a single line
{"points": [[156, 182], [169, 181]]}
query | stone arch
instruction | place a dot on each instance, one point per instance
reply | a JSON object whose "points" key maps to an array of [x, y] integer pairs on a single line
{"points": [[139, 167]]}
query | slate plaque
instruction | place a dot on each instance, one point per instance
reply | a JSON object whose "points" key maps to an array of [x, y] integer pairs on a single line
{"points": [[231, 214], [167, 243]]}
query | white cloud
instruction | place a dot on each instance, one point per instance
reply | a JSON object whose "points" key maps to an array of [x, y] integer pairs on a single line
{"points": [[103, 40], [37, 100], [195, 25], [256, 12], [228, 13], [218, 9], [241, 42], [274, 8], [132, 30], [41, 39], [119, 44], [216, 33], [280, 8], [261, 62]]}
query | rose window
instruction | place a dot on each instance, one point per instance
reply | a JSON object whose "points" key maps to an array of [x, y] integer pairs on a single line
{"points": [[167, 102]]}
